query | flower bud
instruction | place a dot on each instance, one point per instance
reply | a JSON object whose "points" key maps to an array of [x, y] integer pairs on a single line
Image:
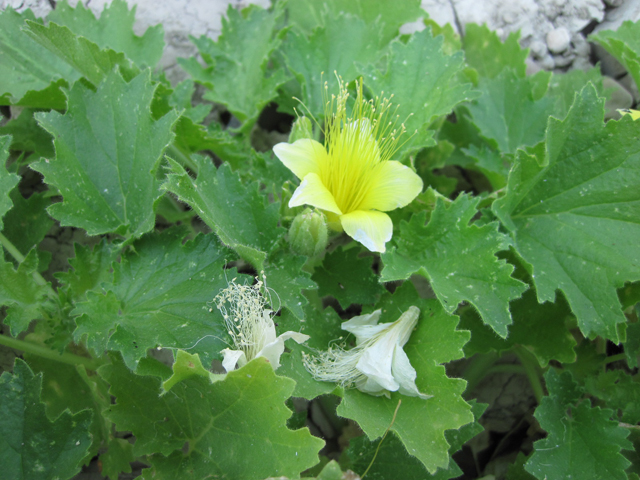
{"points": [[308, 233], [302, 128]]}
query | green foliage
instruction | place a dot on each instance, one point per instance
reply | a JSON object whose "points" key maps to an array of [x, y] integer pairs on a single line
{"points": [[572, 211], [7, 180], [203, 426], [474, 274], [236, 213], [425, 83], [434, 342], [111, 188], [159, 297], [31, 445], [30, 76], [127, 204], [583, 441], [336, 48], [348, 281], [113, 30], [236, 73], [488, 55], [624, 45]]}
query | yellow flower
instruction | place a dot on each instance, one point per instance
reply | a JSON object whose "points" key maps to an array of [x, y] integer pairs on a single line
{"points": [[352, 177]]}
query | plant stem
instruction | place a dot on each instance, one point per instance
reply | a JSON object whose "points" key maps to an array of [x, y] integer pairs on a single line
{"points": [[15, 253], [185, 160], [477, 369], [615, 358], [532, 369], [44, 352]]}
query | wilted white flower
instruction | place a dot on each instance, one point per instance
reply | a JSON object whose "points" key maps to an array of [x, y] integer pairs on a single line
{"points": [[250, 326], [377, 364]]}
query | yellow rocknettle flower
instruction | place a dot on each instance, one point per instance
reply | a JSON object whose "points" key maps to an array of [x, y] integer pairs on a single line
{"points": [[352, 177]]}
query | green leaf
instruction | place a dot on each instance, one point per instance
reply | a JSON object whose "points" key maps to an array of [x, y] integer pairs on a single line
{"points": [[308, 14], [90, 268], [458, 259], [624, 45], [333, 48], [286, 280], [107, 153], [511, 111], [113, 30], [30, 76], [582, 442], [83, 55], [485, 52], [28, 136], [27, 223], [201, 429], [347, 278], [237, 71], [424, 81], [420, 424], [159, 297], [235, 211], [632, 345], [393, 461], [564, 86], [185, 366], [7, 180], [619, 391], [21, 293], [539, 327], [32, 446], [572, 209]]}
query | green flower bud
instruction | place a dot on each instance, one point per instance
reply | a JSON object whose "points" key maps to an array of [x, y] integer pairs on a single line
{"points": [[302, 128], [308, 233]]}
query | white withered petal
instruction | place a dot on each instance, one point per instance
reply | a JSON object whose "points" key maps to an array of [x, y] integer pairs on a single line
{"points": [[250, 326], [377, 364]]}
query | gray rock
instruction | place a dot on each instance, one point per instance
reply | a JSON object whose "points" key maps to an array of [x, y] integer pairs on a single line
{"points": [[619, 98], [630, 85], [558, 40]]}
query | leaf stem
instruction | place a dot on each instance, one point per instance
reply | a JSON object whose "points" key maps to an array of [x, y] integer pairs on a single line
{"points": [[615, 358], [15, 253], [532, 369], [177, 154], [382, 439], [44, 352]]}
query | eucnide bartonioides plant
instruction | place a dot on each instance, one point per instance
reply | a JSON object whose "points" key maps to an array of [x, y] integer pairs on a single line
{"points": [[435, 218]]}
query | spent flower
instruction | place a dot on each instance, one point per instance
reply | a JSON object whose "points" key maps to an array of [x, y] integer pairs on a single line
{"points": [[250, 325], [352, 177], [377, 364]]}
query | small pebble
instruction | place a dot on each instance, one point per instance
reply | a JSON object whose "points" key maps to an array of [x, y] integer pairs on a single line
{"points": [[538, 49], [558, 40]]}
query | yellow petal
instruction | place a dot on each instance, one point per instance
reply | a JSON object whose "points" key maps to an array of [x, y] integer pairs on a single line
{"points": [[313, 192], [392, 185], [372, 229], [302, 156]]}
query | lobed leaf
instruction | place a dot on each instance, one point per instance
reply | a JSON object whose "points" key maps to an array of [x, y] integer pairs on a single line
{"points": [[583, 442], [30, 76], [160, 296], [459, 260], [32, 446], [424, 81], [332, 49], [624, 45], [236, 213], [572, 210], [7, 180], [108, 149], [347, 278], [114, 30], [237, 72], [489, 56], [200, 429]]}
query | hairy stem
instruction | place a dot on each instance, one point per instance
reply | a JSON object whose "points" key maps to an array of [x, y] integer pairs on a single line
{"points": [[44, 352]]}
